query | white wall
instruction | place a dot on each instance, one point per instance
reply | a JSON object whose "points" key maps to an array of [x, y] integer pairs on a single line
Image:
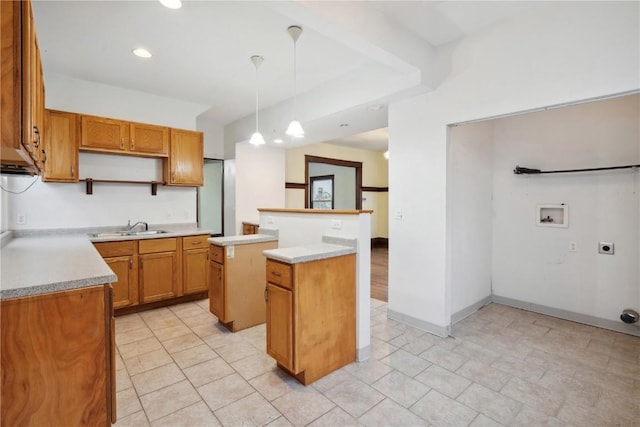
{"points": [[50, 205], [579, 50], [261, 183], [470, 212], [533, 263]]}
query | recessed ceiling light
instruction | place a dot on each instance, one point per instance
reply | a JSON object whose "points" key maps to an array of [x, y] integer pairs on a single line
{"points": [[278, 141], [171, 4], [344, 125], [142, 53]]}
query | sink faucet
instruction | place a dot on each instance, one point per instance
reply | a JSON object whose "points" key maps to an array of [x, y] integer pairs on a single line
{"points": [[131, 227]]}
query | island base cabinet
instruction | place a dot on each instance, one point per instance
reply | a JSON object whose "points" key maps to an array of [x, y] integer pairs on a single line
{"points": [[57, 359], [311, 321]]}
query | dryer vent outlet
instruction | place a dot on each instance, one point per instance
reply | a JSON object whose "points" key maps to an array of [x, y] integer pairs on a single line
{"points": [[629, 316]]}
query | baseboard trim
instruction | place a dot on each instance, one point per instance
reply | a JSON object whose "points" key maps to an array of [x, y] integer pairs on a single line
{"points": [[612, 325], [468, 311], [441, 331], [363, 354]]}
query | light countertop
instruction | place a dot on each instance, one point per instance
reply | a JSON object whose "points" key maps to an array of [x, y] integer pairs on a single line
{"points": [[242, 240], [306, 253]]}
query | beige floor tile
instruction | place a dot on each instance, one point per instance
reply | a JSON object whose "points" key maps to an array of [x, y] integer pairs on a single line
{"points": [[354, 396], [483, 374], [523, 369], [182, 342], [236, 351], [439, 410], [386, 331], [406, 362], [224, 391], [200, 319], [605, 379], [168, 400], [222, 337], [194, 415], [389, 414], [143, 362], [275, 383], [280, 422], [472, 351], [252, 410], [444, 381], [186, 310], [335, 417], [254, 365], [119, 361], [139, 347], [165, 321], [618, 406], [381, 349], [123, 381], [484, 421], [171, 332], [530, 417], [415, 345], [129, 322], [208, 371], [490, 403], [137, 419], [194, 356], [538, 397], [127, 402], [574, 391], [302, 406], [400, 388], [132, 335], [368, 371], [333, 379], [443, 357], [157, 378], [528, 328]]}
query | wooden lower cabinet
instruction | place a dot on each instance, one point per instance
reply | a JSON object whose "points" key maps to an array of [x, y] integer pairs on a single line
{"points": [[57, 359], [122, 258], [195, 253], [158, 269], [311, 315], [236, 284]]}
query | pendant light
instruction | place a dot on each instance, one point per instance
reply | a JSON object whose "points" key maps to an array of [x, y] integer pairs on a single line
{"points": [[295, 128], [256, 138]]}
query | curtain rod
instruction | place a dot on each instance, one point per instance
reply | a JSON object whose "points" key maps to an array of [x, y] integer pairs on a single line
{"points": [[520, 170]]}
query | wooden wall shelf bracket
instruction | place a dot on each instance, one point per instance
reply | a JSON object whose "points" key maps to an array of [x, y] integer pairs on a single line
{"points": [[89, 182]]}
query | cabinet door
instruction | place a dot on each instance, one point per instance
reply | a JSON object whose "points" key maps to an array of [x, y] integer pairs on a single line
{"points": [[149, 139], [102, 134], [158, 276], [280, 325], [125, 290], [61, 147], [216, 290], [194, 269], [186, 160]]}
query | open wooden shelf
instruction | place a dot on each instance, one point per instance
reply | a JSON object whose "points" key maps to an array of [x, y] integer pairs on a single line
{"points": [[91, 181]]}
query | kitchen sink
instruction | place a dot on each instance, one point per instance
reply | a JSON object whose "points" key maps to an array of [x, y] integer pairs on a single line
{"points": [[127, 233]]}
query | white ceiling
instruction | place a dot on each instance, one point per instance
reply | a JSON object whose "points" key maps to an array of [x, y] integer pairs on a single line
{"points": [[350, 55]]}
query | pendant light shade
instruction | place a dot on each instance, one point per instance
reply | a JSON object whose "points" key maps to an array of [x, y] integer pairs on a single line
{"points": [[256, 138], [295, 128]]}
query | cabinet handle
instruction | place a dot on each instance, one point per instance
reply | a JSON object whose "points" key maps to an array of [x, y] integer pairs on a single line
{"points": [[36, 131], [133, 144], [141, 263], [196, 243], [122, 143], [220, 274], [173, 176], [207, 256], [275, 273], [44, 156], [73, 171], [266, 294], [130, 263]]}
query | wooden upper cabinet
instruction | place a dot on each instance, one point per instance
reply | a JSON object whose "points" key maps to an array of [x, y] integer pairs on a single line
{"points": [[22, 89], [185, 164], [61, 147], [121, 137], [149, 139]]}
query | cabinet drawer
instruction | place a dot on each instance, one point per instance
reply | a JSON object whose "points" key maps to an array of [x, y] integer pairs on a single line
{"points": [[216, 253], [195, 242], [111, 249], [279, 273], [157, 245]]}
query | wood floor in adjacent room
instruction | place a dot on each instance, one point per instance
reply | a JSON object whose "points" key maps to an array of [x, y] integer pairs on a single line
{"points": [[380, 274]]}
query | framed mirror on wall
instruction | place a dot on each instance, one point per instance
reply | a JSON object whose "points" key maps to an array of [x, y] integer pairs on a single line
{"points": [[322, 190]]}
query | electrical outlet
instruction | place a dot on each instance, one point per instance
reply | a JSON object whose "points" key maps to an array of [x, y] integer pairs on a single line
{"points": [[336, 224], [573, 247], [269, 220], [398, 213], [21, 219]]}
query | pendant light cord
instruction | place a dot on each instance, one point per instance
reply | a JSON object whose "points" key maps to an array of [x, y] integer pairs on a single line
{"points": [[257, 129], [295, 81]]}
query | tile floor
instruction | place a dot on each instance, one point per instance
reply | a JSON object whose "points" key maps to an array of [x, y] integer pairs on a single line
{"points": [[503, 366]]}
